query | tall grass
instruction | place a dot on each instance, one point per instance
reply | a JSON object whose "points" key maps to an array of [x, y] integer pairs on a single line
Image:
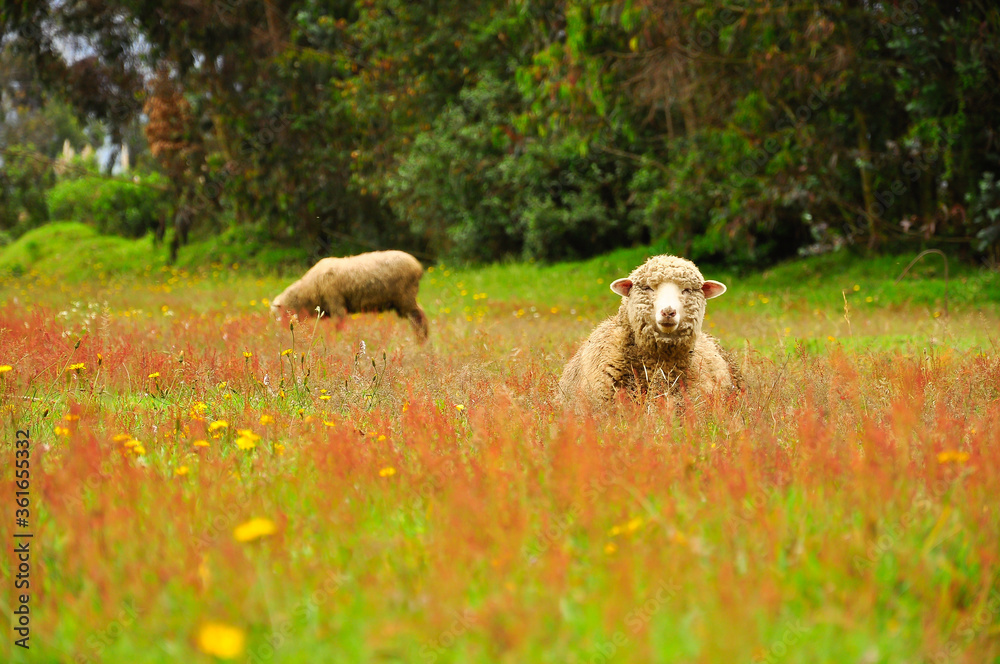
{"points": [[434, 504]]}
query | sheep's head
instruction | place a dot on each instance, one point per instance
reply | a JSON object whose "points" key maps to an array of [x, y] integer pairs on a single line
{"points": [[664, 300], [278, 306]]}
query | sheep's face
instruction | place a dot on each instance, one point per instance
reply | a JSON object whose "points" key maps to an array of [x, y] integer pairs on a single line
{"points": [[278, 306], [664, 299]]}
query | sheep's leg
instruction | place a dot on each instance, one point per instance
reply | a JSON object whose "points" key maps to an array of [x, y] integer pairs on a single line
{"points": [[418, 319], [335, 309]]}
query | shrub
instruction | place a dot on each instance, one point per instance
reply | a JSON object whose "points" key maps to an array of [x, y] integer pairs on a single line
{"points": [[23, 181], [115, 206]]}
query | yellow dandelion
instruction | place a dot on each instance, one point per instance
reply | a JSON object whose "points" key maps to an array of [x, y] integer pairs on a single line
{"points": [[247, 354], [459, 406], [266, 419], [381, 437], [279, 449], [181, 470], [76, 367], [200, 443], [406, 406], [61, 431], [831, 338], [324, 397], [388, 471], [247, 439], [121, 437], [155, 374], [139, 450], [857, 287], [610, 548], [70, 417], [634, 524], [287, 351], [4, 368], [254, 529], [217, 425], [222, 641], [949, 456], [329, 424]]}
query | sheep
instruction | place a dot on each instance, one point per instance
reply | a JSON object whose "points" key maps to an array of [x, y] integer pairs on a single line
{"points": [[655, 341], [374, 281]]}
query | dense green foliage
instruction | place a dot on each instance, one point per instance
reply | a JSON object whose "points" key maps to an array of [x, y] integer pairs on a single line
{"points": [[119, 206], [473, 131]]}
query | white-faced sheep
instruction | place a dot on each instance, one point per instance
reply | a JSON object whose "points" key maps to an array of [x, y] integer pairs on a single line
{"points": [[375, 281], [655, 341]]}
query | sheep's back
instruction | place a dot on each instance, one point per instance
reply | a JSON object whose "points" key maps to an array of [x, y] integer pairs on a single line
{"points": [[372, 281]]}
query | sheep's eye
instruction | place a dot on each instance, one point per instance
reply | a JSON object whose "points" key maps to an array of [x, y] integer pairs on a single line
{"points": [[687, 291], [645, 287]]}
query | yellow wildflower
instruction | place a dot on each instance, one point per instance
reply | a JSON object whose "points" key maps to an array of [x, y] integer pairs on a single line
{"points": [[200, 443], [181, 470], [459, 406], [955, 456], [70, 417], [266, 419], [279, 449], [121, 437], [61, 431], [75, 367], [287, 351], [247, 354], [218, 424], [5, 368], [387, 472], [254, 529], [247, 439], [222, 641], [155, 374], [610, 548], [139, 450]]}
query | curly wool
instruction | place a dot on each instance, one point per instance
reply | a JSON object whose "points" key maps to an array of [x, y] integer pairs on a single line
{"points": [[370, 282], [628, 351]]}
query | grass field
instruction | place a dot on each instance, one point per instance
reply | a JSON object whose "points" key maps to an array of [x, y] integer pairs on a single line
{"points": [[206, 484]]}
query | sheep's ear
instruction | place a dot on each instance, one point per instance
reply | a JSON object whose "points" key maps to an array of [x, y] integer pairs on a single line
{"points": [[622, 286], [713, 289]]}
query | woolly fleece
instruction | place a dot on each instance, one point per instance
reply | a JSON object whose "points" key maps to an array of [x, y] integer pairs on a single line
{"points": [[628, 351], [374, 281]]}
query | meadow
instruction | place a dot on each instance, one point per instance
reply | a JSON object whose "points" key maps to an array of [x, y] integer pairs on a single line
{"points": [[207, 484]]}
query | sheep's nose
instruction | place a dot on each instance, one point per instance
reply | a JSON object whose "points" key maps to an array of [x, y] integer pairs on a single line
{"points": [[668, 312]]}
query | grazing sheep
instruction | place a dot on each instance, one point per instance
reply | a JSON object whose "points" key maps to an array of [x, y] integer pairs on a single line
{"points": [[655, 342], [375, 281]]}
